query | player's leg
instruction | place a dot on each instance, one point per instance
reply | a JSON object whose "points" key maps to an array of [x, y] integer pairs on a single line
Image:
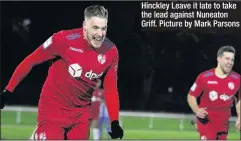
{"points": [[104, 123], [95, 129], [222, 130], [222, 135], [32, 136], [206, 131], [100, 126], [49, 130], [81, 128], [80, 131], [95, 120], [107, 126]]}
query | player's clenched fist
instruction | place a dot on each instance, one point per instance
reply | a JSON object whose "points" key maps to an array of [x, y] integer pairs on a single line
{"points": [[201, 113], [116, 130], [5, 92], [237, 125]]}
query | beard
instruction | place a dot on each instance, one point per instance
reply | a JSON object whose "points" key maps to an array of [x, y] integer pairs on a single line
{"points": [[225, 70], [94, 40]]}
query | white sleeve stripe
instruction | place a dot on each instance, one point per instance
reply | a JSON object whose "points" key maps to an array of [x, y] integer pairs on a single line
{"points": [[194, 86], [47, 43]]}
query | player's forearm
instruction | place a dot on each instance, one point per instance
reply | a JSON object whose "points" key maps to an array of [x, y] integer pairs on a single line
{"points": [[111, 91], [192, 101], [24, 68], [112, 104], [238, 108], [20, 72]]}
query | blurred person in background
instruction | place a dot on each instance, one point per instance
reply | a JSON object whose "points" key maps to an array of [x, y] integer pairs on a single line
{"points": [[81, 57], [104, 120], [218, 87], [96, 100], [100, 115]]}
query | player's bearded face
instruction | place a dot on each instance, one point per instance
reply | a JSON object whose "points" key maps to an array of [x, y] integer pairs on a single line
{"points": [[95, 29], [226, 62]]}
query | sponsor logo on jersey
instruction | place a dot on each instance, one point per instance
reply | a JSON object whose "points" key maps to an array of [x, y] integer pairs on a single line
{"points": [[235, 76], [76, 49], [91, 75], [213, 95], [73, 36], [212, 82], [76, 70], [208, 74], [41, 136], [231, 85], [101, 58], [225, 97]]}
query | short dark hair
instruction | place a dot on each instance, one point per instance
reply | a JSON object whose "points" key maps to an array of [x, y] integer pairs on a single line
{"points": [[225, 49], [96, 11]]}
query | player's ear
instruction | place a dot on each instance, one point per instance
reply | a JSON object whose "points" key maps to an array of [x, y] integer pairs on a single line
{"points": [[218, 59], [84, 25]]}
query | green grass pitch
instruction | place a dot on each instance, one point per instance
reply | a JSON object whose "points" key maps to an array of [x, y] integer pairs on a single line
{"points": [[135, 128]]}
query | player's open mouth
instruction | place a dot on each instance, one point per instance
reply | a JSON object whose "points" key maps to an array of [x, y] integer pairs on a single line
{"points": [[229, 66], [98, 39]]}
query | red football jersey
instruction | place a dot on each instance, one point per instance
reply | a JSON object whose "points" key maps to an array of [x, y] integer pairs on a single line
{"points": [[217, 93], [72, 78], [75, 74]]}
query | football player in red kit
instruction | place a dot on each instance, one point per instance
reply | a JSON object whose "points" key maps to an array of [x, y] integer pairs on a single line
{"points": [[97, 98], [82, 56], [218, 87], [237, 103]]}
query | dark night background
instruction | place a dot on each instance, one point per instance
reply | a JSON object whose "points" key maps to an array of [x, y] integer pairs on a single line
{"points": [[150, 62]]}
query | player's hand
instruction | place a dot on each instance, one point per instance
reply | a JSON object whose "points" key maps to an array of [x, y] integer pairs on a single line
{"points": [[194, 124], [5, 92], [116, 130], [237, 125], [202, 113]]}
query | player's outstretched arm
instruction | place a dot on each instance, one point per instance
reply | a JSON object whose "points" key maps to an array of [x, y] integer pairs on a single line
{"points": [[43, 53], [23, 69], [112, 98]]}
